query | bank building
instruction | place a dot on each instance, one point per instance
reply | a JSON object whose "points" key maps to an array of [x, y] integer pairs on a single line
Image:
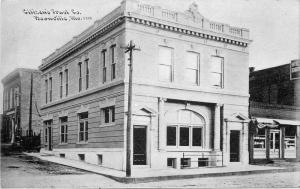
{"points": [[190, 91]]}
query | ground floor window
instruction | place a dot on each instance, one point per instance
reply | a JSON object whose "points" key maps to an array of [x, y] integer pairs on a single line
{"points": [[290, 138], [187, 135], [83, 127], [63, 130], [184, 128]]}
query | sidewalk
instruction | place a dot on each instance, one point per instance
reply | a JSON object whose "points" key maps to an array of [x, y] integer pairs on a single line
{"points": [[150, 174]]}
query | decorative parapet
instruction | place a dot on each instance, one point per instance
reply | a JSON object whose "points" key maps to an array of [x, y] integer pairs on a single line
{"points": [[190, 22], [191, 18]]}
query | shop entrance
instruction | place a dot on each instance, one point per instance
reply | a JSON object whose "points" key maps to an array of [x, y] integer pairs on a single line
{"points": [[274, 143], [139, 145], [234, 146]]}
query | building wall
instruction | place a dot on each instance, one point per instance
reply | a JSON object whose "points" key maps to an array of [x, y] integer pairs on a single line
{"points": [[148, 90], [25, 101]]}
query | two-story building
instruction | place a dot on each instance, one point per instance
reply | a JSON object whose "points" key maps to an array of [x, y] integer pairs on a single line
{"points": [[275, 104], [16, 103], [190, 91]]}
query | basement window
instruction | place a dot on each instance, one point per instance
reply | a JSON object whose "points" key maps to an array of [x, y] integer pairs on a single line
{"points": [[81, 157]]}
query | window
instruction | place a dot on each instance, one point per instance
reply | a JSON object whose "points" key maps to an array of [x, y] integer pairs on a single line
{"points": [[50, 89], [216, 71], [62, 155], [46, 135], [100, 159], [108, 114], [81, 157], [87, 72], [189, 126], [46, 91], [80, 77], [165, 64], [202, 162], [104, 65], [171, 136], [171, 162], [191, 74], [113, 62], [67, 81], [63, 130], [17, 96], [60, 84], [197, 136], [184, 136], [11, 98], [83, 127], [185, 162]]}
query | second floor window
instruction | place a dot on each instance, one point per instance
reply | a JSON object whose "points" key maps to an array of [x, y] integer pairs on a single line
{"points": [[46, 91], [64, 130], [80, 77], [165, 64], [217, 71], [103, 65], [87, 73], [191, 74], [113, 62], [50, 89], [60, 84], [67, 81], [17, 96], [83, 127]]}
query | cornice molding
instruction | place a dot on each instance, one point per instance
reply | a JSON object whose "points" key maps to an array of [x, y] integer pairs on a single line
{"points": [[186, 31]]}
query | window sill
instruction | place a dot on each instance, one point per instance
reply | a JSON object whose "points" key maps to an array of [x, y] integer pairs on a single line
{"points": [[62, 144], [107, 124], [82, 142]]}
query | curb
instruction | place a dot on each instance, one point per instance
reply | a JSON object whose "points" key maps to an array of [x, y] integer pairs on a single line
{"points": [[128, 180]]}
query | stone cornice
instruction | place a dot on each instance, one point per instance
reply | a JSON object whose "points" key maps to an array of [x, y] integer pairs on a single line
{"points": [[190, 22], [60, 56], [204, 35]]}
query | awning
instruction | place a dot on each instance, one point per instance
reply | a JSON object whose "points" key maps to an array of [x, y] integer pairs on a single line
{"points": [[266, 122], [287, 122]]}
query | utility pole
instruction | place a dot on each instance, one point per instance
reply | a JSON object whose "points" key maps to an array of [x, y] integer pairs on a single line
{"points": [[30, 107], [130, 48]]}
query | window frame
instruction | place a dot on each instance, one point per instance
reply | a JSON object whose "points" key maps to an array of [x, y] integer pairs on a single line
{"points": [[80, 76], [85, 127], [61, 84], [111, 115], [113, 62], [50, 89], [66, 82], [215, 72], [171, 65], [190, 139], [46, 91], [63, 123], [197, 70], [87, 73], [104, 70]]}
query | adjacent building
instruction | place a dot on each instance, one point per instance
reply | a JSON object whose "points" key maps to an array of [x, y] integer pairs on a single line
{"points": [[275, 104], [16, 104], [189, 108]]}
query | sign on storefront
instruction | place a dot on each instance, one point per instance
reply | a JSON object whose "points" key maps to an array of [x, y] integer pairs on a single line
{"points": [[295, 69]]}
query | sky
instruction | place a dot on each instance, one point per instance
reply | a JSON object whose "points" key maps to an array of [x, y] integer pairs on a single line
{"points": [[274, 27]]}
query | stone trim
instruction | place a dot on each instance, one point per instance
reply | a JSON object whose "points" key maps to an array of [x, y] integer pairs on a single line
{"points": [[185, 31]]}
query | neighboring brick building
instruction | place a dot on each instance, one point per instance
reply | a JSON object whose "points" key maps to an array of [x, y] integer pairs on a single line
{"points": [[188, 107], [16, 98], [275, 103]]}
